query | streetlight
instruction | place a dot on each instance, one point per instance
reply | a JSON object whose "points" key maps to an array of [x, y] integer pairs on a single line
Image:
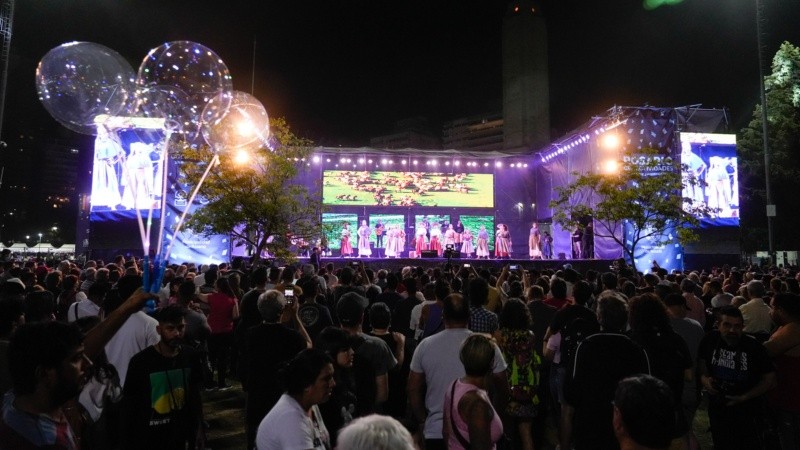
{"points": [[39, 248], [764, 129]]}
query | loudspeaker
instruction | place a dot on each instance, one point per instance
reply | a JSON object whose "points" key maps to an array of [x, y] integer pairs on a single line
{"points": [[430, 254], [562, 255], [454, 254]]}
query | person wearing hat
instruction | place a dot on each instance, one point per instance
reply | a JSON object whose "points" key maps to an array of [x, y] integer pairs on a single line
{"points": [[373, 359]]}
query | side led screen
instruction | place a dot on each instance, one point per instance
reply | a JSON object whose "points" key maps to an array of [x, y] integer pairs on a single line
{"points": [[712, 160], [333, 224]]}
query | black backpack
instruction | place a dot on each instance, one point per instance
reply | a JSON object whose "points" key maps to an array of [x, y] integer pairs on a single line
{"points": [[572, 334]]}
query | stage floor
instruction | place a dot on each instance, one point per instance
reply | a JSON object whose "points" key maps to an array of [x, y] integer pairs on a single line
{"points": [[581, 265]]}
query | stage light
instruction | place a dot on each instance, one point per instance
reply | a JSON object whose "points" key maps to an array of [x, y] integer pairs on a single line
{"points": [[519, 206], [391, 161], [433, 163], [533, 205], [342, 160], [336, 165], [456, 163], [241, 157], [327, 160], [405, 162], [610, 167], [316, 159], [427, 163], [383, 161], [486, 164], [361, 160], [415, 162], [609, 141], [369, 161], [525, 165], [349, 160], [447, 163]]}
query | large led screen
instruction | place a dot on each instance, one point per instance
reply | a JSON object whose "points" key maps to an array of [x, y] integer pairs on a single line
{"points": [[127, 172], [474, 224], [378, 188], [711, 159], [333, 224]]}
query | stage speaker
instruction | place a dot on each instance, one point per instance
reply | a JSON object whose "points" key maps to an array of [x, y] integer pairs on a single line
{"points": [[430, 254], [454, 254], [562, 255]]}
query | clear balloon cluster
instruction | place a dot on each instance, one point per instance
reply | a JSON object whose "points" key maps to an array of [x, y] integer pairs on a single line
{"points": [[184, 83]]}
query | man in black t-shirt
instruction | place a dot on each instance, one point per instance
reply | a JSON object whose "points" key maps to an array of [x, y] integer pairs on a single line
{"points": [[315, 317], [736, 371], [267, 347], [162, 408], [601, 361]]}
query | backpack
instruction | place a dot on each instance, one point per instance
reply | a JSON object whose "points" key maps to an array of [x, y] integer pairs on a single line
{"points": [[573, 333]]}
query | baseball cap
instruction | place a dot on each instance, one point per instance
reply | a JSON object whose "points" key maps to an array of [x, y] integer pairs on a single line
{"points": [[16, 281]]}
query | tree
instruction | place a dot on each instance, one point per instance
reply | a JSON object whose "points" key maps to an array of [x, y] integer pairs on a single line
{"points": [[646, 194], [257, 202], [783, 109]]}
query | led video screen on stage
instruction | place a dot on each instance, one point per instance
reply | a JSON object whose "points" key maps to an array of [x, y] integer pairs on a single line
{"points": [[712, 159], [127, 172], [474, 223], [333, 224], [387, 222], [379, 188]]}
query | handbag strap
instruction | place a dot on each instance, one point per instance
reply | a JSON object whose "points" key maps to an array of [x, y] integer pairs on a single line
{"points": [[464, 443]]}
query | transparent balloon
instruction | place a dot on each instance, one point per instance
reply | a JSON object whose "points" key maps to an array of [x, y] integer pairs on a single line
{"points": [[245, 126], [188, 75], [78, 81]]}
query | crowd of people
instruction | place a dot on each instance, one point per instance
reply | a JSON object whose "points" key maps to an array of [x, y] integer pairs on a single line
{"points": [[354, 357]]}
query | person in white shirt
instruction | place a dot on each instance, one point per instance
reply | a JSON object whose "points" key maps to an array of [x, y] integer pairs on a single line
{"points": [[91, 305], [755, 312]]}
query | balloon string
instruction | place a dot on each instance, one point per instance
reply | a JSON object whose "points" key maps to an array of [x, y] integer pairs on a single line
{"points": [[164, 167], [213, 162], [145, 241]]}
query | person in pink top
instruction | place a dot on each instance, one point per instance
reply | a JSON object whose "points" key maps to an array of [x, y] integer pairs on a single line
{"points": [[224, 311], [466, 403]]}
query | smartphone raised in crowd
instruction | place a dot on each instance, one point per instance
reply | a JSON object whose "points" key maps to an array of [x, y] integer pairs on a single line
{"points": [[289, 294]]}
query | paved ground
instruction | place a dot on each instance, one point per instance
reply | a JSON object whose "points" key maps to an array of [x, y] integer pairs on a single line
{"points": [[225, 414]]}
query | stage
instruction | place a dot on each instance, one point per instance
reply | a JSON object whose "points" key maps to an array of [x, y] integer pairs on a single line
{"points": [[394, 264]]}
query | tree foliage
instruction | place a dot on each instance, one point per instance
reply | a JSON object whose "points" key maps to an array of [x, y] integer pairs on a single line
{"points": [[645, 194], [257, 202], [783, 125]]}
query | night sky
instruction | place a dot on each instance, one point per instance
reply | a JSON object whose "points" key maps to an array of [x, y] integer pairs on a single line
{"points": [[342, 71]]}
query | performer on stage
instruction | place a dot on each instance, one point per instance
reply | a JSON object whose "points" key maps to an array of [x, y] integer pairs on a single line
{"points": [[379, 230], [482, 250], [138, 178], [364, 231], [459, 229], [450, 236], [466, 244], [400, 240], [502, 242], [421, 243], [436, 243], [108, 153], [587, 242], [391, 242], [533, 242], [577, 236], [547, 245], [347, 246]]}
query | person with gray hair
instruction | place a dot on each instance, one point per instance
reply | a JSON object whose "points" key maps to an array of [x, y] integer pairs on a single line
{"points": [[268, 346], [756, 311], [375, 432]]}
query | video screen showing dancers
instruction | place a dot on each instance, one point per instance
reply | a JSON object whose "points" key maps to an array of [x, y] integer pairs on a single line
{"points": [[711, 159], [476, 225], [334, 227], [127, 172], [378, 188]]}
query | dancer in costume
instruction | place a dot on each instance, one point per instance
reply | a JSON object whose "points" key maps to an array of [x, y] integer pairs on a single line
{"points": [[459, 229], [450, 236], [108, 153], [534, 239], [138, 178], [363, 240], [466, 244], [502, 242], [482, 249], [547, 245], [421, 243], [436, 243], [347, 246]]}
